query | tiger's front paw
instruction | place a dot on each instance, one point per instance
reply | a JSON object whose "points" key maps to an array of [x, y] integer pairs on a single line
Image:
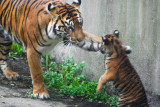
{"points": [[42, 95], [40, 91], [10, 75]]}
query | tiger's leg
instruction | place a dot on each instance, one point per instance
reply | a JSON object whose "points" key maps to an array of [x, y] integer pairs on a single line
{"points": [[5, 46], [93, 43], [39, 88], [107, 76]]}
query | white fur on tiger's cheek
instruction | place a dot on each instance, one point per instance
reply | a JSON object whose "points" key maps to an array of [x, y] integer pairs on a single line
{"points": [[79, 18], [67, 21], [70, 23], [47, 10], [50, 31], [57, 27]]}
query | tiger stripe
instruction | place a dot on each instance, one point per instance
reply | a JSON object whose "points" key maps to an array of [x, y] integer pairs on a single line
{"points": [[122, 73], [38, 25]]}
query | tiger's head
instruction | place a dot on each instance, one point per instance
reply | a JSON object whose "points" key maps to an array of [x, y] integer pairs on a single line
{"points": [[66, 20], [113, 46]]}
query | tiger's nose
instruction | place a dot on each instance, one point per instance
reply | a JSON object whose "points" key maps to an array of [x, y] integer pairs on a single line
{"points": [[70, 28], [73, 39]]}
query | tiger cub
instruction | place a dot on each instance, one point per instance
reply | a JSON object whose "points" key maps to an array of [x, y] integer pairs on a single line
{"points": [[122, 73]]}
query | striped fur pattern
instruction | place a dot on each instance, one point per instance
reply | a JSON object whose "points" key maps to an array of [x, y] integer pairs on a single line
{"points": [[120, 70], [39, 25]]}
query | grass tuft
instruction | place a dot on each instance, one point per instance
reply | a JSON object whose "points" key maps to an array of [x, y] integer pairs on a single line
{"points": [[66, 78]]}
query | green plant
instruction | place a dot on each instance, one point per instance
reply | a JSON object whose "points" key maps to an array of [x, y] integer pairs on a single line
{"points": [[29, 94], [46, 60], [66, 78], [16, 48], [114, 100]]}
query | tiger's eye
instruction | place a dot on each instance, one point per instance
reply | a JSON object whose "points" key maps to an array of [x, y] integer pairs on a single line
{"points": [[75, 14], [67, 18]]}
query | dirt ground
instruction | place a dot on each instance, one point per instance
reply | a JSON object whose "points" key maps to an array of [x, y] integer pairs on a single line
{"points": [[13, 93]]}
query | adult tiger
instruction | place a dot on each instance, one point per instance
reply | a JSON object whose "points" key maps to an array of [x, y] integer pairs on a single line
{"points": [[39, 25], [120, 70]]}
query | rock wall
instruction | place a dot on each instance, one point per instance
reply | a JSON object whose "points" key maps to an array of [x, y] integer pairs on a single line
{"points": [[139, 24]]}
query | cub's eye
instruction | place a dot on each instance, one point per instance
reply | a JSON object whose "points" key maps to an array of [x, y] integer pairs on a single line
{"points": [[75, 14]]}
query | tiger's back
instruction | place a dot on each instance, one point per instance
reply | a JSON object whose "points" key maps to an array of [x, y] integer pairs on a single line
{"points": [[129, 85]]}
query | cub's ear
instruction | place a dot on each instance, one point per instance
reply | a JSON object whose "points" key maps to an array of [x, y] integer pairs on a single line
{"points": [[76, 3], [116, 32]]}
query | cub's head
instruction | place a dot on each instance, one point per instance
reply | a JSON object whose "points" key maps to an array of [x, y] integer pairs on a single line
{"points": [[112, 45], [66, 20]]}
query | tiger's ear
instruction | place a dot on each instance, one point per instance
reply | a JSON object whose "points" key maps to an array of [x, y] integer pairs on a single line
{"points": [[51, 7], [116, 32], [76, 3]]}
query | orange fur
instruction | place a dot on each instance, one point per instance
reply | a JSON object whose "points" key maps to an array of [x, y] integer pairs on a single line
{"points": [[36, 24], [122, 73]]}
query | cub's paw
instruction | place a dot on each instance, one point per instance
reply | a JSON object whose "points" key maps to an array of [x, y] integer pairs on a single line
{"points": [[98, 90], [11, 75], [43, 95]]}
